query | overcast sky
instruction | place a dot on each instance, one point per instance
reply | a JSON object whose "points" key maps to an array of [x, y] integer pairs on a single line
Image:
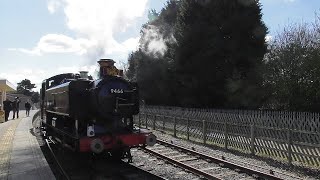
{"points": [[41, 38]]}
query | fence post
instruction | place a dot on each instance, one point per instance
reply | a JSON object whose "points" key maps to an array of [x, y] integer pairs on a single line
{"points": [[204, 131], [139, 122], [188, 131], [252, 135], [175, 127], [154, 122], [225, 135], [289, 134], [146, 121]]}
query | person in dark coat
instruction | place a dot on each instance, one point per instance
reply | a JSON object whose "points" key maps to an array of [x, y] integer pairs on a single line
{"points": [[27, 105], [15, 107], [7, 108]]}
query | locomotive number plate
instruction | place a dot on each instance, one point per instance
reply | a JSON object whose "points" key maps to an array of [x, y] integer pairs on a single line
{"points": [[116, 91]]}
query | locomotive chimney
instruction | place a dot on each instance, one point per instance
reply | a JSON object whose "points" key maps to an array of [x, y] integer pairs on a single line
{"points": [[104, 65], [84, 74]]}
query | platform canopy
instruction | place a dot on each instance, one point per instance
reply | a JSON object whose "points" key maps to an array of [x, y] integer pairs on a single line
{"points": [[5, 85]]}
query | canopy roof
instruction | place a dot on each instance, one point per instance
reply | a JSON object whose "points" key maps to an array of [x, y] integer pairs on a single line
{"points": [[6, 85]]}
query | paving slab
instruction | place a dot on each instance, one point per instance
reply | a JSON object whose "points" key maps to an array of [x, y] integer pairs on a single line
{"points": [[27, 175], [20, 155]]}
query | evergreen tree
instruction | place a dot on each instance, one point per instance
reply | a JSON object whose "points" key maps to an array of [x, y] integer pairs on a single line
{"points": [[35, 97], [220, 46], [151, 65], [25, 87]]}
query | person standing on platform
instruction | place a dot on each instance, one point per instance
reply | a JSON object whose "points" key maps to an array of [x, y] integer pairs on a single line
{"points": [[27, 105], [15, 107], [7, 108]]}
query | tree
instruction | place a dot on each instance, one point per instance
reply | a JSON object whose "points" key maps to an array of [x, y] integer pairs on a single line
{"points": [[220, 47], [35, 98], [150, 65], [293, 68], [25, 87], [201, 53]]}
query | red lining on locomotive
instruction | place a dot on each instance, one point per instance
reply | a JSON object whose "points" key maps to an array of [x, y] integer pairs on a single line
{"points": [[115, 141]]}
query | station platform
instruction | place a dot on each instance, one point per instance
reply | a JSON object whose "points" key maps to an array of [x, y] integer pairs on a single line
{"points": [[20, 155]]}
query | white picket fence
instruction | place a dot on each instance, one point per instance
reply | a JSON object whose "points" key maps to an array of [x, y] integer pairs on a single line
{"points": [[287, 136]]}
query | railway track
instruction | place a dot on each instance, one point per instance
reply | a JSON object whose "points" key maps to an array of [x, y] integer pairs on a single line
{"points": [[204, 165], [94, 168]]}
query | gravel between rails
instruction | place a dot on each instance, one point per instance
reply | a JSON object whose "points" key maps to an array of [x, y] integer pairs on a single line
{"points": [[242, 160], [159, 167]]}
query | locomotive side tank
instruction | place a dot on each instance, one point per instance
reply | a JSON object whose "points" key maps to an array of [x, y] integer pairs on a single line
{"points": [[93, 115]]}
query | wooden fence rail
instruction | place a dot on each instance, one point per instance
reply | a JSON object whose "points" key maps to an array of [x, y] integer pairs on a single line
{"points": [[288, 136]]}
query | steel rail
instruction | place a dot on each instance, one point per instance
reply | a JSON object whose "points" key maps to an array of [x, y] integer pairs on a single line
{"points": [[155, 177], [185, 166], [56, 160], [255, 173]]}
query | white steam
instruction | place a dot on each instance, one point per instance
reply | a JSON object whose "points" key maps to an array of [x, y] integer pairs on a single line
{"points": [[94, 24], [100, 20], [153, 42]]}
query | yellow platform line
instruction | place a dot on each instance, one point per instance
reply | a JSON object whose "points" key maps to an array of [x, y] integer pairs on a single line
{"points": [[6, 147]]}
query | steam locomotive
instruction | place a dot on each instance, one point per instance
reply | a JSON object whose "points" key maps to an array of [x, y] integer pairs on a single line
{"points": [[93, 116]]}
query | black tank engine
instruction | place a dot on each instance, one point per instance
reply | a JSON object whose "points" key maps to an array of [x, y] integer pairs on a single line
{"points": [[93, 115]]}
